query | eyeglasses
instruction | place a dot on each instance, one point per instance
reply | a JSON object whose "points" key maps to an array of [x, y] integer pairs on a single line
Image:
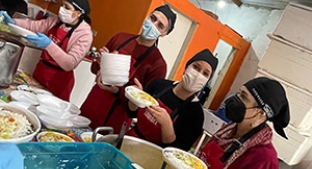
{"points": [[243, 96]]}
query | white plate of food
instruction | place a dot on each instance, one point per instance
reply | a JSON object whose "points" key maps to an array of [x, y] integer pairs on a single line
{"points": [[21, 31], [87, 136], [17, 124], [23, 96], [33, 89], [139, 97], [180, 159], [51, 136]]}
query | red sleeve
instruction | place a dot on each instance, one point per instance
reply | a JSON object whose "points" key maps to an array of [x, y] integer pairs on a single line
{"points": [[95, 67]]}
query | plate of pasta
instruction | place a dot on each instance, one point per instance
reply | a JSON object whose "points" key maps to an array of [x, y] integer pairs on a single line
{"points": [[139, 97], [180, 159], [51, 136], [17, 124]]}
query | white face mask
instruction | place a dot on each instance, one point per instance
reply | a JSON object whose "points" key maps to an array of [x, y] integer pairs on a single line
{"points": [[192, 80], [149, 30], [65, 15]]}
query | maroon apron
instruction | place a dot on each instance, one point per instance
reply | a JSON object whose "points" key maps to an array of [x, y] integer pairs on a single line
{"points": [[104, 108], [211, 155], [214, 156], [147, 127], [49, 73]]}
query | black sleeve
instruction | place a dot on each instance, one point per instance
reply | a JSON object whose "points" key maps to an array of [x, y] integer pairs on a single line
{"points": [[188, 126]]}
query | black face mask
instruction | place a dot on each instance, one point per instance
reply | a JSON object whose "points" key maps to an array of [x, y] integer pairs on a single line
{"points": [[235, 109]]}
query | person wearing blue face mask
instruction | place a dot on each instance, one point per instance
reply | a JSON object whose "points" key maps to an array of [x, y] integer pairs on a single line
{"points": [[65, 40], [147, 64]]}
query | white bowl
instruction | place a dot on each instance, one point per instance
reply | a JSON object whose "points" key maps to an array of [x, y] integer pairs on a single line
{"points": [[139, 97], [80, 121], [19, 30], [32, 118], [51, 136], [169, 156], [55, 123], [114, 80], [20, 104], [87, 136], [59, 114], [54, 103], [23, 96], [33, 89]]}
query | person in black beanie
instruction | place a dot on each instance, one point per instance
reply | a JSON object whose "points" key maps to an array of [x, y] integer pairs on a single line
{"points": [[64, 39], [246, 142], [147, 64], [178, 119]]}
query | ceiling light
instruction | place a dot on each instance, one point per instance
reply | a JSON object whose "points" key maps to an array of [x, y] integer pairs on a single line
{"points": [[221, 4]]}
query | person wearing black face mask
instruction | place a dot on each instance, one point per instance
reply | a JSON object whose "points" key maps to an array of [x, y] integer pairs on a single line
{"points": [[245, 143]]}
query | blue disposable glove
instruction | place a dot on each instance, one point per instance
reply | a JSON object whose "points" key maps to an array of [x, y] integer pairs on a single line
{"points": [[41, 40], [7, 19]]}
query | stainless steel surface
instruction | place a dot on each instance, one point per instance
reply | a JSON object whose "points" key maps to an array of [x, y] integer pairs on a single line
{"points": [[10, 55], [144, 153], [109, 129]]}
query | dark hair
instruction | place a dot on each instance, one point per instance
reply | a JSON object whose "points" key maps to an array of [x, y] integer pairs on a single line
{"points": [[86, 18]]}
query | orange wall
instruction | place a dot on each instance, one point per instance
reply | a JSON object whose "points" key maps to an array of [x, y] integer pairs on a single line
{"points": [[112, 16]]}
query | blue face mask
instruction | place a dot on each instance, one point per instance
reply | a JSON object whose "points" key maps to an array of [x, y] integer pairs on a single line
{"points": [[149, 30]]}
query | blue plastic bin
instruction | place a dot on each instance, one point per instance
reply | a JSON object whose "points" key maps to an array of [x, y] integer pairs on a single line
{"points": [[40, 155]]}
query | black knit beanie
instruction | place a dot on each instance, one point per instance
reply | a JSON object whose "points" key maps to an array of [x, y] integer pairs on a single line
{"points": [[207, 56], [271, 97], [81, 5], [165, 9]]}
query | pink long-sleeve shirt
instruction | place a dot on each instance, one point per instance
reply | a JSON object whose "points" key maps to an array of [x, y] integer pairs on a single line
{"points": [[78, 45]]}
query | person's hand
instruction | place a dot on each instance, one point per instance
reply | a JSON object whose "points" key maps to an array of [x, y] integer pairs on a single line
{"points": [[132, 106], [7, 19], [41, 40], [137, 84], [160, 114], [112, 89]]}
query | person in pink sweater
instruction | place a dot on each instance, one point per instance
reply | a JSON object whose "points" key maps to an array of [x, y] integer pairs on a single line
{"points": [[65, 40]]}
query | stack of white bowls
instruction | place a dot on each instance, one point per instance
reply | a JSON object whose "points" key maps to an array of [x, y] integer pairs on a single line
{"points": [[115, 68], [58, 114]]}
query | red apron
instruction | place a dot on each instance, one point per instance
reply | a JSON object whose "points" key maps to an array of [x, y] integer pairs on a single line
{"points": [[106, 109], [147, 127], [211, 155], [50, 74]]}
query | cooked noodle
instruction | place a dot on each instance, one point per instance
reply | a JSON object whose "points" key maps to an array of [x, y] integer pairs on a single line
{"points": [[13, 125]]}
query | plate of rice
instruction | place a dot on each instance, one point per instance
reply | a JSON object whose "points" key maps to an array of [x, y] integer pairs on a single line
{"points": [[180, 159]]}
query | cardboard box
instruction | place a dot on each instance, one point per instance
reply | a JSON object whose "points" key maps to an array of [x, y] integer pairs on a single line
{"points": [[295, 25], [293, 150], [288, 62]]}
